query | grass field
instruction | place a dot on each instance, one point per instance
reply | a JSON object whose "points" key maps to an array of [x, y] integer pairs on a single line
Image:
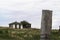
{"points": [[25, 34]]}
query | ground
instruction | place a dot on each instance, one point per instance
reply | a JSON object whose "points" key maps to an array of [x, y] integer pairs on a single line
{"points": [[25, 34]]}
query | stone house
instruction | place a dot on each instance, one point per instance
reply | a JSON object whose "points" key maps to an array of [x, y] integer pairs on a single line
{"points": [[17, 25], [25, 24]]}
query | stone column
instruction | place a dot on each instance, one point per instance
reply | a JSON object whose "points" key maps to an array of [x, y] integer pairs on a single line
{"points": [[15, 26], [46, 24], [19, 26]]}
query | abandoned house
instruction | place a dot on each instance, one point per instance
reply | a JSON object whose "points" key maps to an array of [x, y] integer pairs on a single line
{"points": [[22, 24], [25, 24], [15, 25]]}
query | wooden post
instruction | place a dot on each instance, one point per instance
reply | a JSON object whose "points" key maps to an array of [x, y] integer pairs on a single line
{"points": [[46, 24]]}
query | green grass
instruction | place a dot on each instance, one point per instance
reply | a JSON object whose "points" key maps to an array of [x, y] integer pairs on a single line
{"points": [[19, 34], [25, 34]]}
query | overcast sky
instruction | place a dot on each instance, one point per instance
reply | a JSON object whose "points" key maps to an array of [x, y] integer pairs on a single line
{"points": [[30, 10]]}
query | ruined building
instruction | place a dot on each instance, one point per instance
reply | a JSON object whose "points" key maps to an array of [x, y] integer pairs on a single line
{"points": [[17, 25]]}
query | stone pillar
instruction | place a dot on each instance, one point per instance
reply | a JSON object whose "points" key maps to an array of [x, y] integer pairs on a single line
{"points": [[15, 26], [46, 24], [19, 26]]}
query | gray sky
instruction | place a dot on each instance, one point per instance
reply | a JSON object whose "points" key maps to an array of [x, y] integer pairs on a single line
{"points": [[30, 10]]}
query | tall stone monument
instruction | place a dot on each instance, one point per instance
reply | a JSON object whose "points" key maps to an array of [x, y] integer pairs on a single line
{"points": [[46, 24]]}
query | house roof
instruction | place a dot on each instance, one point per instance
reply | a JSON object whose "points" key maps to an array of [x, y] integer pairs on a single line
{"points": [[14, 23], [24, 22]]}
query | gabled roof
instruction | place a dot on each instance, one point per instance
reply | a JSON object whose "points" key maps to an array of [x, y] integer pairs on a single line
{"points": [[15, 22], [24, 22]]}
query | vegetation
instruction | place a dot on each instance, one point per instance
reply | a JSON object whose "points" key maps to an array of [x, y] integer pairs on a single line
{"points": [[25, 34], [19, 34], [55, 35]]}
